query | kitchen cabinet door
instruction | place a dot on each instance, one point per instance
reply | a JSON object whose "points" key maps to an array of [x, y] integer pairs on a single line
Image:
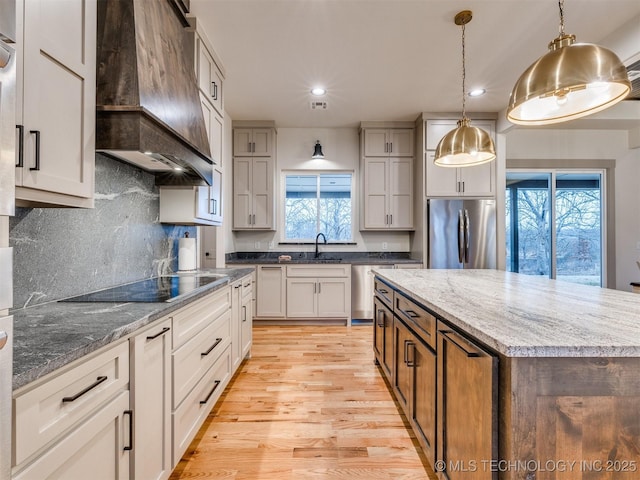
{"points": [[334, 297], [253, 193], [383, 142], [376, 142], [271, 291], [467, 405], [402, 143], [246, 317], [423, 399], [151, 399], [402, 374], [56, 102], [253, 142], [383, 337], [401, 193], [302, 300], [440, 181], [210, 78], [242, 193], [376, 188]]}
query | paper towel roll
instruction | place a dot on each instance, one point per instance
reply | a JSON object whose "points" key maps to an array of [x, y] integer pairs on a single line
{"points": [[186, 254]]}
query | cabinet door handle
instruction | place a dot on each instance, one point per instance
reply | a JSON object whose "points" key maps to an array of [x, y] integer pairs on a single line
{"points": [[253, 149], [405, 355], [161, 332], [216, 383], [381, 312], [215, 91], [459, 342], [319, 287], [462, 187], [20, 146], [37, 134], [73, 398], [390, 219], [254, 218], [218, 340], [130, 414], [390, 147], [411, 361]]}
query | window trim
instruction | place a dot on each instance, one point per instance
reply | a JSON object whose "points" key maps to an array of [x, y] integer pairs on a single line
{"points": [[283, 202]]}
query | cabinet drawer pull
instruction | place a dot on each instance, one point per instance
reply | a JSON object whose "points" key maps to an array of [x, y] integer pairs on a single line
{"points": [[218, 340], [411, 314], [98, 381], [216, 383], [161, 332], [130, 414], [383, 291], [458, 341], [270, 268], [20, 146], [215, 91], [37, 134]]}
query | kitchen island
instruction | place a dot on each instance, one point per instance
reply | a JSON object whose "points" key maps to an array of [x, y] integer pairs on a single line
{"points": [[531, 378]]}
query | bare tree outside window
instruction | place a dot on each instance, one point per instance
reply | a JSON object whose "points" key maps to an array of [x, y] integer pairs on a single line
{"points": [[318, 203]]}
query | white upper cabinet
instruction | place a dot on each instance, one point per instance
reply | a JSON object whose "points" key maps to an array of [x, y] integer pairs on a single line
{"points": [[210, 77], [56, 102], [253, 142], [385, 142], [478, 181]]}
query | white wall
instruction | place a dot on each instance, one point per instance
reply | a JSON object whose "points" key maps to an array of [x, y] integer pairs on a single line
{"points": [[341, 148], [561, 148]]}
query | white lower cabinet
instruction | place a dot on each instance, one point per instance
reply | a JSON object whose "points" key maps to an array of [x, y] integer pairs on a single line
{"points": [[241, 319], [76, 423], [151, 401], [130, 410], [304, 291]]}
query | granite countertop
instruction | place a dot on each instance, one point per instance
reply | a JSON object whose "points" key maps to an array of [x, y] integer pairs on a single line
{"points": [[48, 336], [354, 258], [525, 316]]}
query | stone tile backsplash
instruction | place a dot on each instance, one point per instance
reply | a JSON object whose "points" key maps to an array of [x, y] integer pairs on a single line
{"points": [[61, 252]]}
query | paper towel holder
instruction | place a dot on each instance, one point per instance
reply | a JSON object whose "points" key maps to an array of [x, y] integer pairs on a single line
{"points": [[187, 257]]}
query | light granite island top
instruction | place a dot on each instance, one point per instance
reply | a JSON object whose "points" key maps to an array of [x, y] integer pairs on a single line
{"points": [[49, 336], [524, 316]]}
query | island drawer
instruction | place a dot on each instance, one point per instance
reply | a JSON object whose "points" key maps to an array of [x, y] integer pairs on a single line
{"points": [[383, 292], [194, 358], [54, 407], [415, 315], [190, 320]]}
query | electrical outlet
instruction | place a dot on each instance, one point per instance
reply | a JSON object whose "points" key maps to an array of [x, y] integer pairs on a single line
{"points": [[384, 245], [257, 245]]}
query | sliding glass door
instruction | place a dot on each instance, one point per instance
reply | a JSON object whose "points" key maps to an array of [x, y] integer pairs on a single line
{"points": [[555, 224]]}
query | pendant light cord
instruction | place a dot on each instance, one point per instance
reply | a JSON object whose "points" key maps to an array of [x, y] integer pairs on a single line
{"points": [[561, 7], [464, 74]]}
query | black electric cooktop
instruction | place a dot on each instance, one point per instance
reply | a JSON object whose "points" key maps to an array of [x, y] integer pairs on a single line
{"points": [[159, 289]]}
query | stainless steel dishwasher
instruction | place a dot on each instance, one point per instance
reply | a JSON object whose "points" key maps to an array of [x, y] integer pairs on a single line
{"points": [[362, 290]]}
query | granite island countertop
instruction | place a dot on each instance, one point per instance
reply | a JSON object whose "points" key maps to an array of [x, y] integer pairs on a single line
{"points": [[524, 316], [354, 258], [47, 337]]}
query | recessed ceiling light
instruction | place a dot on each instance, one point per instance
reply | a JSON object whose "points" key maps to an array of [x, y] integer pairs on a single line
{"points": [[477, 92], [318, 91]]}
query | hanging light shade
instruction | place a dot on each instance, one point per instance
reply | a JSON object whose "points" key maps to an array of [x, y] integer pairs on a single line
{"points": [[465, 146], [571, 81], [317, 151]]}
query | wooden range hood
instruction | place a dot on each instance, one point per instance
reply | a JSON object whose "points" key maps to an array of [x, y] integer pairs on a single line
{"points": [[148, 109]]}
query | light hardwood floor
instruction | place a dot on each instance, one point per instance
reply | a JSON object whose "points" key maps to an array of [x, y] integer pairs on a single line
{"points": [[309, 404]]}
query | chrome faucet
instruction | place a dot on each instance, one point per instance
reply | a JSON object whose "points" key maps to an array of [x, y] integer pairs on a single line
{"points": [[325, 242]]}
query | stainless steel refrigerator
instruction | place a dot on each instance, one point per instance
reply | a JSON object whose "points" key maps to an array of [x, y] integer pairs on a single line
{"points": [[462, 233]]}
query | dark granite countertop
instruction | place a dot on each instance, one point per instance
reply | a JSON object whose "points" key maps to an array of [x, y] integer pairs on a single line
{"points": [[354, 258], [48, 336]]}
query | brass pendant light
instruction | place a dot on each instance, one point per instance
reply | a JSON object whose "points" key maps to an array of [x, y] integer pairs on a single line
{"points": [[570, 81], [464, 146]]}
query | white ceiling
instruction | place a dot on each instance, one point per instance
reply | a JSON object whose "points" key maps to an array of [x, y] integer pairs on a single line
{"points": [[385, 59]]}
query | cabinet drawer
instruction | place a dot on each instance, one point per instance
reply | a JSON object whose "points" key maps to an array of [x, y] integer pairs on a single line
{"points": [[188, 418], [417, 316], [247, 287], [316, 271], [190, 320], [195, 357], [54, 407], [383, 292]]}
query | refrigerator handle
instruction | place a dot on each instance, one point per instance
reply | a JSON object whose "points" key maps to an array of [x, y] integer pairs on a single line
{"points": [[461, 235], [466, 236]]}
